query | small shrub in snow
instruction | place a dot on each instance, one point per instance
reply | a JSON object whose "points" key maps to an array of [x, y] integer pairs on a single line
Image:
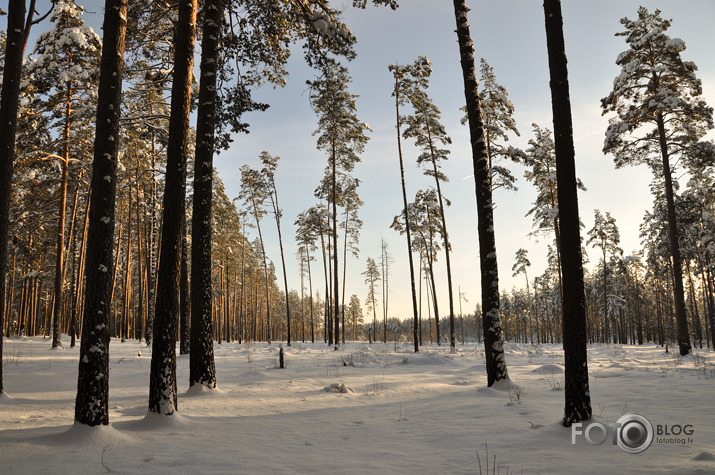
{"points": [[375, 387], [516, 393]]}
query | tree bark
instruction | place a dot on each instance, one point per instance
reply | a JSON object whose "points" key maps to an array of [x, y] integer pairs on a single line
{"points": [[493, 341], [681, 318], [162, 380], [202, 369], [91, 404], [578, 400]]}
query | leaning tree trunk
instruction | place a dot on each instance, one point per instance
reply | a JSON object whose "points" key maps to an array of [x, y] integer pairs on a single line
{"points": [[493, 341], [578, 400], [447, 250], [91, 404], [681, 318], [202, 369], [162, 380], [415, 315]]}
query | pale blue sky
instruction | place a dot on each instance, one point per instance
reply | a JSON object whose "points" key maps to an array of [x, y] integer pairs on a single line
{"points": [[510, 35]]}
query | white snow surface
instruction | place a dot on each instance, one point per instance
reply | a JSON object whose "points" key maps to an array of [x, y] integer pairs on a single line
{"points": [[401, 412]]}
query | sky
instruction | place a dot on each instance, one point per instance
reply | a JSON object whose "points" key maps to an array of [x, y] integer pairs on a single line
{"points": [[510, 35]]}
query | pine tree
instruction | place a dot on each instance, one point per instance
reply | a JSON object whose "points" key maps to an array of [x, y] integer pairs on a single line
{"points": [[604, 235], [406, 78], [19, 23], [63, 71], [493, 339], [162, 380], [372, 277], [342, 137], [577, 394], [660, 121], [425, 127], [91, 405], [498, 112], [254, 195], [519, 267], [202, 370], [270, 164]]}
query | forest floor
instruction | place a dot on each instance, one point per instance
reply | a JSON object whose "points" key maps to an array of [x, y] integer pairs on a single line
{"points": [[400, 412]]}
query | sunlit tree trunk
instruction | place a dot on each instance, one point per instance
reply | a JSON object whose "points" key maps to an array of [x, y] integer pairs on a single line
{"points": [[493, 342], [162, 380], [91, 404]]}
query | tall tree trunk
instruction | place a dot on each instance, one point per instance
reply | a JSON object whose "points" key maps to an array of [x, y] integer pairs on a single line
{"points": [[138, 334], [445, 237], [415, 316], [152, 264], [184, 302], [578, 400], [310, 289], [162, 380], [277, 214], [673, 236], [493, 342], [326, 316], [202, 369], [60, 248], [18, 30], [91, 405], [336, 295]]}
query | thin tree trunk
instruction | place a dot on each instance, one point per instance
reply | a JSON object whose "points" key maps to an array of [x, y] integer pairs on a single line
{"points": [[445, 238], [310, 288], [59, 258], [336, 295], [415, 317], [493, 342], [277, 214], [162, 380], [577, 396], [91, 405]]}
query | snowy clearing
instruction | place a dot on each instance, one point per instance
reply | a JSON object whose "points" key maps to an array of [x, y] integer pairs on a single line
{"points": [[361, 409]]}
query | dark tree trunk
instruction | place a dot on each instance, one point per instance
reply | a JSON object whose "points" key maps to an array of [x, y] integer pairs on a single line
{"points": [[578, 400], [407, 225], [17, 33], [493, 341], [202, 369], [184, 302], [91, 405], [336, 295], [162, 380], [673, 236], [447, 250]]}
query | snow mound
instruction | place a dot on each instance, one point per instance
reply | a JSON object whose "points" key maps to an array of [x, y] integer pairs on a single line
{"points": [[153, 421], [202, 390], [548, 369], [338, 388], [429, 359], [82, 435], [707, 456]]}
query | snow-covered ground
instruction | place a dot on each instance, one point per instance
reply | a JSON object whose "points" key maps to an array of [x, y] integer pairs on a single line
{"points": [[398, 412]]}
